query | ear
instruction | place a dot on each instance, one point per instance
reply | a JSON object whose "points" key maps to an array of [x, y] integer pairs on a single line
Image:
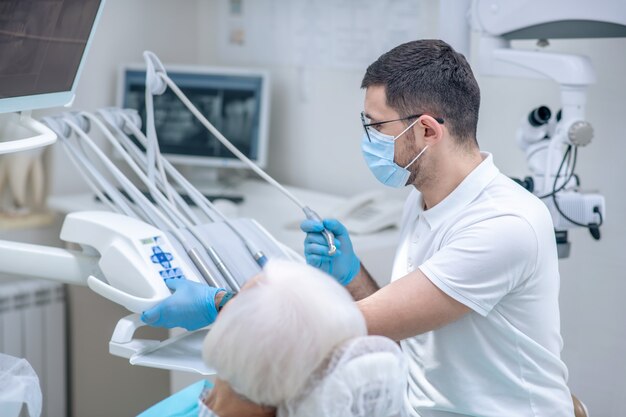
{"points": [[433, 130]]}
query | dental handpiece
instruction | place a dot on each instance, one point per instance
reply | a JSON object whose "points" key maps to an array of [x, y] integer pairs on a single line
{"points": [[330, 238], [221, 266], [202, 268], [260, 258], [308, 212]]}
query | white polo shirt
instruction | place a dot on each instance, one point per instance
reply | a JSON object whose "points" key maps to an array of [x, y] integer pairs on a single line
{"points": [[489, 245]]}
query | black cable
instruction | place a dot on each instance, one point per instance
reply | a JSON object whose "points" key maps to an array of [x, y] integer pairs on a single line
{"points": [[566, 155], [554, 190], [596, 210], [571, 174], [569, 156], [572, 157], [594, 228], [566, 217]]}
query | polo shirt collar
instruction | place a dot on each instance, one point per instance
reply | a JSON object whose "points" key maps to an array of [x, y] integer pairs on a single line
{"points": [[463, 194]]}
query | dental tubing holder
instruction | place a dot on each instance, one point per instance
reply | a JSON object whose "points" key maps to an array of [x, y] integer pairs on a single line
{"points": [[157, 82], [136, 258]]}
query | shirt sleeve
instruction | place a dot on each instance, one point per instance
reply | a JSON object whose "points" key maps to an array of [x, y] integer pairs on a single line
{"points": [[481, 263]]}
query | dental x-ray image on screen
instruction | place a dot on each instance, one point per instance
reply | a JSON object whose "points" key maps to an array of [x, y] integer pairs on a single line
{"points": [[231, 102], [42, 43]]}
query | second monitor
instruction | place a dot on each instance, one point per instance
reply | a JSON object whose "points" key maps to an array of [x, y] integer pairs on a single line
{"points": [[235, 101]]}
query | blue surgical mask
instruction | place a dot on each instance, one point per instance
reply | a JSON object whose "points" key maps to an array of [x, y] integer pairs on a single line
{"points": [[378, 154], [185, 403]]}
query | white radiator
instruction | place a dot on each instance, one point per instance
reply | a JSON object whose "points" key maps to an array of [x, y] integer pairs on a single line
{"points": [[32, 326]]}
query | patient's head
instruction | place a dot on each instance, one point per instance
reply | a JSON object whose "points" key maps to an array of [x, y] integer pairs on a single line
{"points": [[271, 338]]}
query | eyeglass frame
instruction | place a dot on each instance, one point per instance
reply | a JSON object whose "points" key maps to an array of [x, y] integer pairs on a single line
{"points": [[366, 125]]}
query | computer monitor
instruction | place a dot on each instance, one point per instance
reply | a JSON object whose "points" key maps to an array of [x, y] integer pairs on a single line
{"points": [[235, 101], [43, 45]]}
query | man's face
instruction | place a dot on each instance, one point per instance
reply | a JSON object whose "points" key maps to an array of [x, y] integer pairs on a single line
{"points": [[406, 146], [377, 110]]}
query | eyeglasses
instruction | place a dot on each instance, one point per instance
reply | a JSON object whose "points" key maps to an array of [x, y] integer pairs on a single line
{"points": [[367, 122]]}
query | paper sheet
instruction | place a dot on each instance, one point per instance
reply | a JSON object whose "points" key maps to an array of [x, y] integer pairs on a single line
{"points": [[348, 34]]}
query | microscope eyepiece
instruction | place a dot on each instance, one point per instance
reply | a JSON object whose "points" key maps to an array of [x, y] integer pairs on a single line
{"points": [[539, 116]]}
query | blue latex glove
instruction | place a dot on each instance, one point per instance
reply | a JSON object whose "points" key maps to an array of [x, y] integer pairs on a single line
{"points": [[343, 264], [191, 306]]}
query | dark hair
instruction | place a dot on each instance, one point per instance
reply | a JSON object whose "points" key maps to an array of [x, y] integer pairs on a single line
{"points": [[428, 76]]}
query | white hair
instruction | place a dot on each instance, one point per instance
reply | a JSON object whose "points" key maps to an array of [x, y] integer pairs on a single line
{"points": [[272, 336]]}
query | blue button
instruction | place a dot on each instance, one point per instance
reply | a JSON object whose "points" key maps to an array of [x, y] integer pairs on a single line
{"points": [[161, 257]]}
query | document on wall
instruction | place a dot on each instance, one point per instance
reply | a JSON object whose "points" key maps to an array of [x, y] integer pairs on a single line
{"points": [[346, 34], [350, 33], [252, 32]]}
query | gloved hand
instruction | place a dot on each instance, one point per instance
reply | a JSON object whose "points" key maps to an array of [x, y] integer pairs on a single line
{"points": [[191, 306], [343, 264]]}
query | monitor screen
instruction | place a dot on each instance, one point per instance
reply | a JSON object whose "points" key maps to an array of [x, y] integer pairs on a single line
{"points": [[234, 101], [42, 45]]}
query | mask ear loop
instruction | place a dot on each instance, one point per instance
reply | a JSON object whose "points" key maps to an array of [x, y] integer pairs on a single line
{"points": [[418, 155], [405, 130], [402, 133]]}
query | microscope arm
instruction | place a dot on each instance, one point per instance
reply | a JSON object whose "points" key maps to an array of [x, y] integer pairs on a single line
{"points": [[498, 58]]}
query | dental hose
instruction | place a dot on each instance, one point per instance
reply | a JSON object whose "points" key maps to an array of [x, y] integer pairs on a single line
{"points": [[308, 212]]}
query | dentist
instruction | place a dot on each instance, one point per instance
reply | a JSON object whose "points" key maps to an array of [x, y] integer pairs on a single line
{"points": [[473, 298]]}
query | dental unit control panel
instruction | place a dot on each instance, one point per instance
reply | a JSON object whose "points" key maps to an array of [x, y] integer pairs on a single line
{"points": [[135, 258]]}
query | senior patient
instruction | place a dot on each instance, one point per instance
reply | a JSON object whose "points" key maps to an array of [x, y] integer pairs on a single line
{"points": [[293, 343]]}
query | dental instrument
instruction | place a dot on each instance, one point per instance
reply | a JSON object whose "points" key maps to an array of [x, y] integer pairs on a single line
{"points": [[123, 118], [144, 208], [115, 237], [156, 82], [178, 220]]}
